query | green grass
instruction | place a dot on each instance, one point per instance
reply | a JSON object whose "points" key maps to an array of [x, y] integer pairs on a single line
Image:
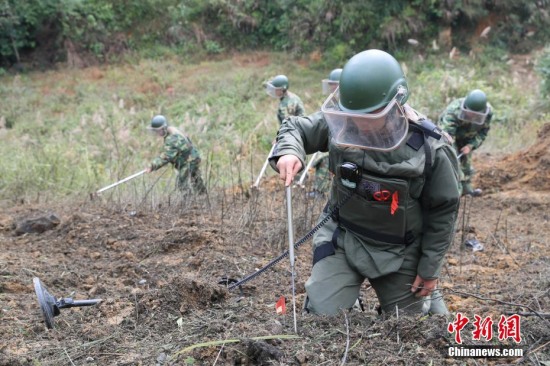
{"points": [[74, 131]]}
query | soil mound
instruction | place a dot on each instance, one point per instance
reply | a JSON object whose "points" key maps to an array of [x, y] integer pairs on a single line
{"points": [[528, 169]]}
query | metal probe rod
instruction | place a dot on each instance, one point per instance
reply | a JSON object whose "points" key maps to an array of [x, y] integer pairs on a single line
{"points": [[291, 249]]}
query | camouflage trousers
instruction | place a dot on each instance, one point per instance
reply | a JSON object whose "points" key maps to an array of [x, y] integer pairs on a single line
{"points": [[189, 178], [322, 180]]}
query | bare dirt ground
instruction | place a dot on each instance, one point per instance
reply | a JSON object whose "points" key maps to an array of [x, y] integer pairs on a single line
{"points": [[159, 270]]}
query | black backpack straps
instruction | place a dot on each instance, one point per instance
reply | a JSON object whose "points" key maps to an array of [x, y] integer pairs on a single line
{"points": [[428, 159], [422, 129]]}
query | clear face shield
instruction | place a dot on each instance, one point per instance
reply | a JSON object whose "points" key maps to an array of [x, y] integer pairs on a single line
{"points": [[382, 131], [273, 91], [473, 117], [329, 86], [157, 131]]}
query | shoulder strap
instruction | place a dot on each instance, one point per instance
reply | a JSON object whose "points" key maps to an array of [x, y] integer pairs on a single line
{"points": [[422, 130]]}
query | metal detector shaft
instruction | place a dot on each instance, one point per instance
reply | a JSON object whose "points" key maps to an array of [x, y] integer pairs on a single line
{"points": [[291, 249], [70, 303], [308, 166], [122, 181], [257, 183]]}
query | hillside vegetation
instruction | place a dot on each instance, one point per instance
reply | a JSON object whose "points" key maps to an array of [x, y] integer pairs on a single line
{"points": [[70, 132], [79, 81], [38, 33]]}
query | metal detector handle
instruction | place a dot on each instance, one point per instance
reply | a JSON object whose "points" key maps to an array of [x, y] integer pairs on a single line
{"points": [[308, 166], [257, 183], [122, 181], [70, 303], [288, 191]]}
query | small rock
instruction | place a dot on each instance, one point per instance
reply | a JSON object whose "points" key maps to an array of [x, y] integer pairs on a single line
{"points": [[161, 358], [37, 225]]}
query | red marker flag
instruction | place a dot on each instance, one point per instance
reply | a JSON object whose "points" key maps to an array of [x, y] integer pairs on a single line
{"points": [[280, 306], [394, 202]]}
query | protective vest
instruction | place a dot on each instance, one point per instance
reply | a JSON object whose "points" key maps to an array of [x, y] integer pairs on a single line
{"points": [[386, 208]]}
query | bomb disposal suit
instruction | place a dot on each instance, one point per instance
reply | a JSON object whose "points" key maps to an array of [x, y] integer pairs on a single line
{"points": [[402, 175]]}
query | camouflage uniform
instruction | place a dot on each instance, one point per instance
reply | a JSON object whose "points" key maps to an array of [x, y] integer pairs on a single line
{"points": [[321, 183], [290, 105], [464, 134], [180, 152]]}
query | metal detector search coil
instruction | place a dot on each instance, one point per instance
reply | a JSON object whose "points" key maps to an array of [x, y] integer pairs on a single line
{"points": [[51, 307]]}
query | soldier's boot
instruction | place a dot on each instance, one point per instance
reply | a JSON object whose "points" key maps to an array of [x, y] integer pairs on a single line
{"points": [[436, 305], [305, 309]]}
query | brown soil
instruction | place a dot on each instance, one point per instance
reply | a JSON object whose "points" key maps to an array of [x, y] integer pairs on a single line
{"points": [[159, 270]]}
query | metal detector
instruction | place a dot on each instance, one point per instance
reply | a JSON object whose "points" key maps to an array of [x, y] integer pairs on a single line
{"points": [[121, 181], [51, 307]]}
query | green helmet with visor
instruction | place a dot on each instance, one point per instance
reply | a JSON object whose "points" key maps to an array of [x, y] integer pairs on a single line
{"points": [[277, 86], [366, 111], [473, 108], [329, 85]]}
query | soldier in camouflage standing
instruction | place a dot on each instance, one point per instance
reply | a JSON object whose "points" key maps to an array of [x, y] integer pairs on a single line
{"points": [[180, 152], [289, 103], [468, 121]]}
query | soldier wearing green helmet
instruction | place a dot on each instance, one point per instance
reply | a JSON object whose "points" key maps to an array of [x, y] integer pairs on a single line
{"points": [[289, 103], [321, 183], [468, 121], [331, 83], [394, 196], [180, 152]]}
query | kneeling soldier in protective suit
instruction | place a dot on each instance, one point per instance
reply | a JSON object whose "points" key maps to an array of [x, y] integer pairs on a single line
{"points": [[401, 175], [180, 152]]}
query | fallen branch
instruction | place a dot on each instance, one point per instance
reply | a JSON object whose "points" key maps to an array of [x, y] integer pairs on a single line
{"points": [[533, 351], [500, 302], [523, 313], [216, 343]]}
